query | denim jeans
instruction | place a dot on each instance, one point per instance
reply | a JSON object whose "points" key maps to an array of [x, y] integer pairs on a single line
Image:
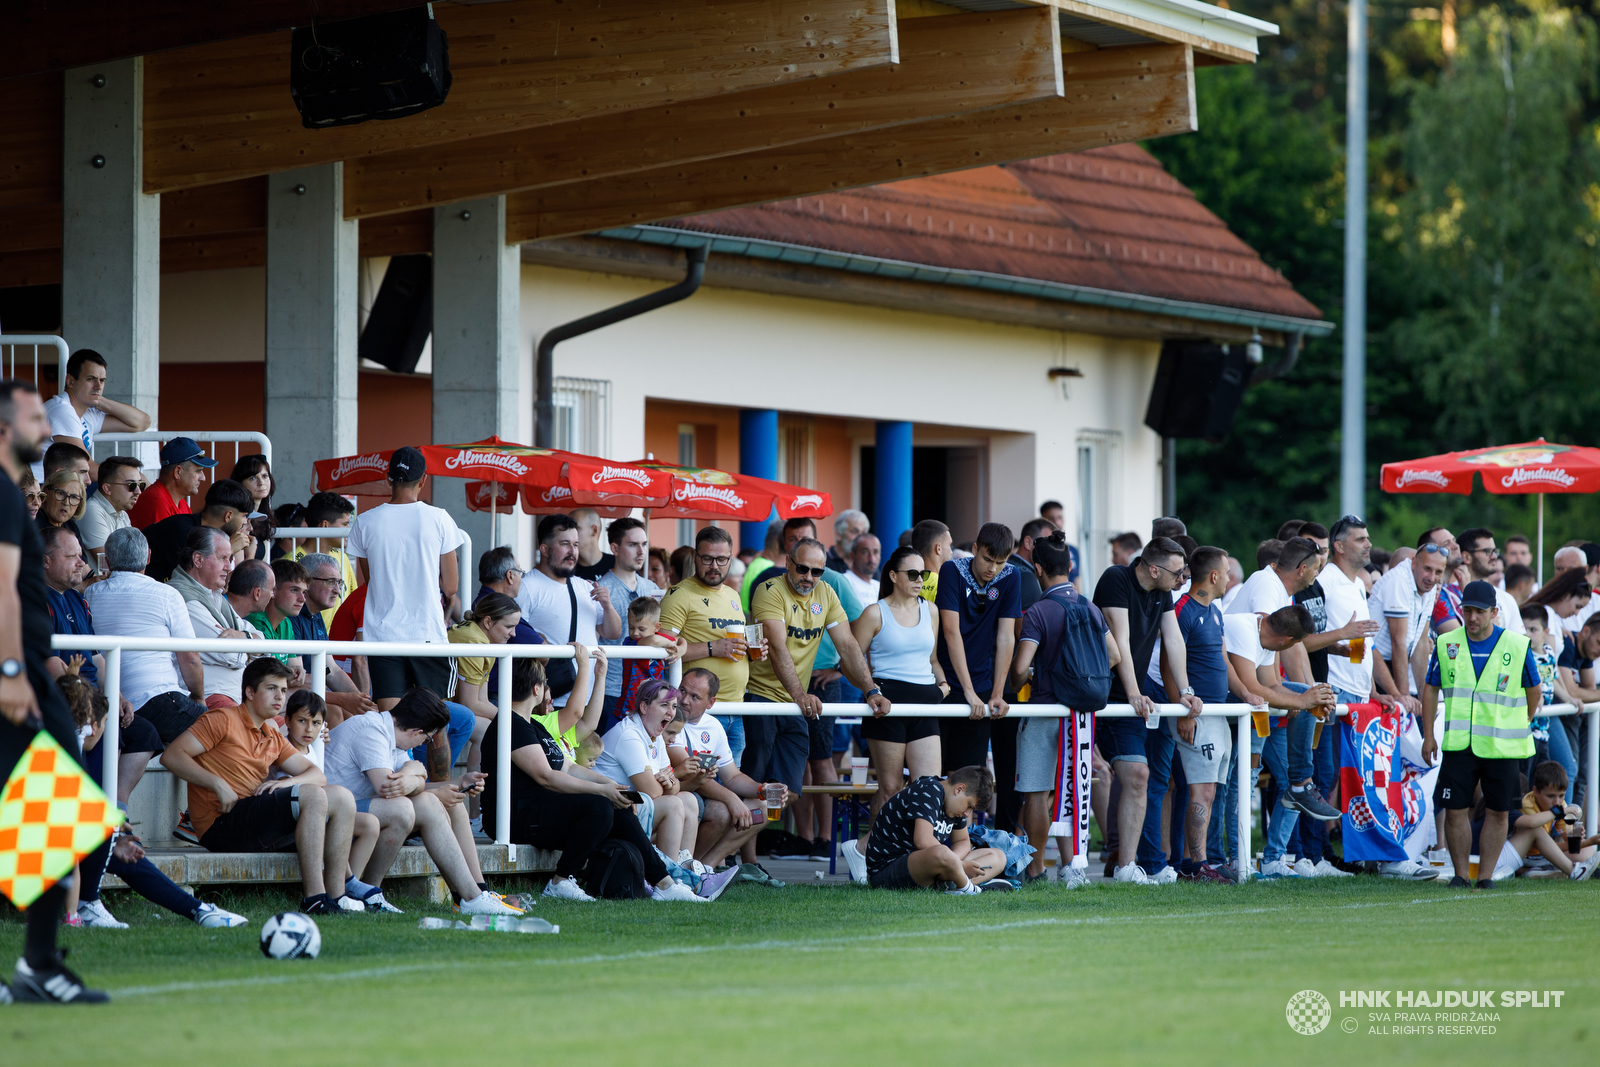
{"points": [[462, 721], [1224, 813], [1158, 749], [1277, 756], [733, 726], [1311, 836], [1560, 750]]}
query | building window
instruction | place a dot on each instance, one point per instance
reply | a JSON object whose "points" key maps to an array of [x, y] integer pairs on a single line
{"points": [[1099, 500], [583, 416], [796, 455]]}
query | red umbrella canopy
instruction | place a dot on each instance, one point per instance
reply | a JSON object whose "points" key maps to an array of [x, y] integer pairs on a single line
{"points": [[536, 499], [491, 460], [708, 493], [1534, 467]]}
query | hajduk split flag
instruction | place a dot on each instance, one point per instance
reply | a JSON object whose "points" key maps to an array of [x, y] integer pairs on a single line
{"points": [[1074, 778], [1385, 795]]}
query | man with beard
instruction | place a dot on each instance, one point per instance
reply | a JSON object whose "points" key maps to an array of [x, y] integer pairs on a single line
{"points": [[559, 604]]}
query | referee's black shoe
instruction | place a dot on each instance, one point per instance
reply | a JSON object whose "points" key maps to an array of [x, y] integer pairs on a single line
{"points": [[55, 984]]}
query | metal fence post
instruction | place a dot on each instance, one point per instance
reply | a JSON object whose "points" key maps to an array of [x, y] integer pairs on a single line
{"points": [[111, 740], [1591, 766], [319, 674], [1241, 761], [502, 757]]}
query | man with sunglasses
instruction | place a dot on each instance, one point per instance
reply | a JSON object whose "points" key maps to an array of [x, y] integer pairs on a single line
{"points": [[324, 589], [120, 483], [1478, 549]]}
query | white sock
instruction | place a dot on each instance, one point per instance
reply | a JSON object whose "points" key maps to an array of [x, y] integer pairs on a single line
{"points": [[355, 887]]}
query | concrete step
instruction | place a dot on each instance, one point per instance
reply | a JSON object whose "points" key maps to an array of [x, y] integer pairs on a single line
{"points": [[196, 866]]}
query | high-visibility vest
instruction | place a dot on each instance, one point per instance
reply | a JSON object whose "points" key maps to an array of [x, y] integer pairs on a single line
{"points": [[1490, 712]]}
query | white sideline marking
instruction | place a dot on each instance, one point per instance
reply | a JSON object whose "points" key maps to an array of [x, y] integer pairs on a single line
{"points": [[745, 946]]}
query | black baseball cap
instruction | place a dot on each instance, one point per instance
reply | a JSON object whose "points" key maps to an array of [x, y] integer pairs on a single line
{"points": [[1479, 595], [407, 465]]}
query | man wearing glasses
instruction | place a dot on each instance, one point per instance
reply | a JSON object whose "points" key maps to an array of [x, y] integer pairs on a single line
{"points": [[709, 617], [121, 482], [1406, 595], [183, 470], [1478, 549], [324, 589]]}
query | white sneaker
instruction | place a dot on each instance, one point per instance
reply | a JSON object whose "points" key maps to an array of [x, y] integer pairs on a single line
{"points": [[93, 913], [350, 903], [1072, 878], [1305, 868], [1326, 869], [1165, 876], [565, 889], [377, 902], [488, 904], [1133, 874], [685, 859], [1409, 871], [851, 851], [1581, 872], [677, 891], [971, 889], [211, 917], [1278, 869]]}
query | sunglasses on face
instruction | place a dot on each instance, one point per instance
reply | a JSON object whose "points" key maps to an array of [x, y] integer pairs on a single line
{"points": [[915, 576], [1437, 549], [132, 487], [801, 572]]}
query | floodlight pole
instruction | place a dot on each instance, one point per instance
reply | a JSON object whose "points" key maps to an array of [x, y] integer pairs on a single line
{"points": [[1353, 455]]}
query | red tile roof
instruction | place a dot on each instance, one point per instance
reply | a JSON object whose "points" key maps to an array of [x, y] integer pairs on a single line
{"points": [[1110, 218]]}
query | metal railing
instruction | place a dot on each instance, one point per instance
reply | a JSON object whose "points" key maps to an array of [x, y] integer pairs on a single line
{"points": [[36, 341], [114, 646], [200, 437]]}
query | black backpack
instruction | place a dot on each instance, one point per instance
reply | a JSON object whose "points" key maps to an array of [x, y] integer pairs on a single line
{"points": [[1081, 675], [615, 871]]}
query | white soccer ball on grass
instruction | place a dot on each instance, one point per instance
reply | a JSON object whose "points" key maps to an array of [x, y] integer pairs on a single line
{"points": [[290, 935]]}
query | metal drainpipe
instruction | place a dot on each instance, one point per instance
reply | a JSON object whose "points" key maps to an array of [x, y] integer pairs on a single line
{"points": [[544, 411], [1291, 356]]}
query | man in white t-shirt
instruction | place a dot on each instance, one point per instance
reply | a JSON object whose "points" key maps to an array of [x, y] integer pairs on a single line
{"points": [[370, 755], [1350, 550], [405, 553], [865, 556], [82, 410], [559, 604], [734, 803], [1405, 596], [1254, 644], [166, 688]]}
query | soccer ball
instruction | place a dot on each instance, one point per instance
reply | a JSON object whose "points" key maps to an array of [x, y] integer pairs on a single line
{"points": [[290, 936]]}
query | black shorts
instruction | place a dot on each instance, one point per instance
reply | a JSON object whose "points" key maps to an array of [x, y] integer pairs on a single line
{"points": [[821, 731], [170, 713], [256, 824], [394, 676], [897, 875], [1461, 770], [898, 729]]}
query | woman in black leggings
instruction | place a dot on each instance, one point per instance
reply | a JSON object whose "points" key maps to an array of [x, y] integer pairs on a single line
{"points": [[557, 804]]}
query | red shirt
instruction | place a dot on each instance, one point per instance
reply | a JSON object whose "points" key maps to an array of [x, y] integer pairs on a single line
{"points": [[348, 621], [155, 504]]}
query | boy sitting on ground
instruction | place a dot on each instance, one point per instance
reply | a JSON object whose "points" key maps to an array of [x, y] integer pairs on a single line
{"points": [[1544, 824], [920, 836]]}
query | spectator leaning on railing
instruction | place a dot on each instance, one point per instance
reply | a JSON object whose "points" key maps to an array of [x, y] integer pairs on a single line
{"points": [[82, 411]]}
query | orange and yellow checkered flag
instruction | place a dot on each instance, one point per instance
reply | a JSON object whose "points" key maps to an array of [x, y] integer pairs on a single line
{"points": [[51, 816]]}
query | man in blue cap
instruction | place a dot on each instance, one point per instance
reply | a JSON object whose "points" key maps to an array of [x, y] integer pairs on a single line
{"points": [[183, 470]]}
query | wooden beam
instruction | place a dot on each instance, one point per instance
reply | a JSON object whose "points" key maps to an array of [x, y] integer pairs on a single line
{"points": [[43, 35], [949, 65], [1113, 95], [29, 227], [211, 209], [407, 233], [41, 266], [223, 111], [30, 141]]}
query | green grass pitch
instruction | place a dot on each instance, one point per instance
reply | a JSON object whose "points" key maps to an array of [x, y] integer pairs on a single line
{"points": [[1110, 974]]}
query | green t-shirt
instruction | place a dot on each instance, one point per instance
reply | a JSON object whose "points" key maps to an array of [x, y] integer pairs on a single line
{"points": [[284, 631], [552, 726], [752, 574]]}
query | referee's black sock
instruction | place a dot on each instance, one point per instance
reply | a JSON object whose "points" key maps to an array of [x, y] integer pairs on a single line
{"points": [[44, 915]]}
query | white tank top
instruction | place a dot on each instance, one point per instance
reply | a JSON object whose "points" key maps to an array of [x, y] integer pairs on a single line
{"points": [[900, 653]]}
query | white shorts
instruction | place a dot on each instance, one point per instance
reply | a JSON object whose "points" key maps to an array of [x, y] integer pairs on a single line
{"points": [[1510, 862], [1206, 760]]}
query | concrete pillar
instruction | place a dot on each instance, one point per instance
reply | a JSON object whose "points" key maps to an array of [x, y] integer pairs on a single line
{"points": [[111, 231], [758, 456], [476, 360], [311, 324], [891, 505]]}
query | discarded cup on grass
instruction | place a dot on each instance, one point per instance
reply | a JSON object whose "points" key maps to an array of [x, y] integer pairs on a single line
{"points": [[506, 924]]}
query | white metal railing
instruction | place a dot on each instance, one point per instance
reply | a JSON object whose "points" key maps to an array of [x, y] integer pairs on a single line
{"points": [[1240, 713], [114, 646], [36, 341], [200, 437], [338, 533]]}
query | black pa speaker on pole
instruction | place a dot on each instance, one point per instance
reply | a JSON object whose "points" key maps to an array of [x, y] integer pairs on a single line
{"points": [[1197, 389], [401, 316], [383, 66]]}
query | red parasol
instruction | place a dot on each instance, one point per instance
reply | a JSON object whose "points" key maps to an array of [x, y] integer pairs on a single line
{"points": [[1534, 467], [708, 493]]}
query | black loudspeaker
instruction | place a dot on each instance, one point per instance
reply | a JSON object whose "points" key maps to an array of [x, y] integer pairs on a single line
{"points": [[401, 316], [1197, 389], [383, 66]]}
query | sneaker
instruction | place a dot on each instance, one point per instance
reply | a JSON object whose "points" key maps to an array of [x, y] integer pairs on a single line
{"points": [[54, 984], [566, 889], [487, 903], [1409, 871], [754, 872], [791, 850], [1278, 869], [996, 885], [1310, 802], [821, 850], [712, 885], [211, 917], [185, 831], [1326, 869], [971, 889], [1165, 876], [5, 993], [1133, 874], [375, 901], [1582, 872], [1072, 878], [1035, 879], [349, 903], [1458, 882], [320, 904], [1208, 873], [93, 913], [677, 891], [1228, 871], [1305, 868], [853, 859], [71, 920], [1484, 883]]}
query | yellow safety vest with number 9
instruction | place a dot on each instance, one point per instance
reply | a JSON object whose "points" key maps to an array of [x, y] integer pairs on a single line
{"points": [[1489, 712]]}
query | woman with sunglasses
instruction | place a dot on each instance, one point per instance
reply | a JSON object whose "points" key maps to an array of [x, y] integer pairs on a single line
{"points": [[899, 635], [31, 493]]}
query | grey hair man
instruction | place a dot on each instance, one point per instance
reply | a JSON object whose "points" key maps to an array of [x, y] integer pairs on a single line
{"points": [[201, 578], [848, 525]]}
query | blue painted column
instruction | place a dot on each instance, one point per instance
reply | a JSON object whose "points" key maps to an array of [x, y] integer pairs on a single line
{"points": [[891, 505], [758, 456]]}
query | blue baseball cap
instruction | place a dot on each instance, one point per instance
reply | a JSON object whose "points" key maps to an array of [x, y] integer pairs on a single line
{"points": [[184, 450]]}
